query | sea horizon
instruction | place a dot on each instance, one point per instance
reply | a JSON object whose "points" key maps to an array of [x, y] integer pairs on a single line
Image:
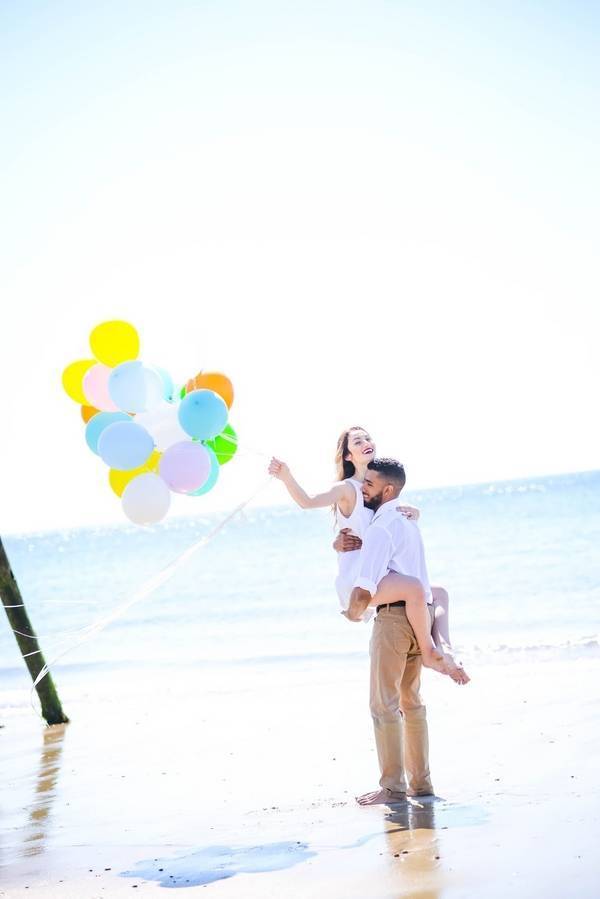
{"points": [[285, 502]]}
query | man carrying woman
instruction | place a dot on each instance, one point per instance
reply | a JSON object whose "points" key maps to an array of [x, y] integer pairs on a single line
{"points": [[385, 568]]}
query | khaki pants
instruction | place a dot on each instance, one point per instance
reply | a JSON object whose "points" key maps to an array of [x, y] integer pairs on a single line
{"points": [[399, 716]]}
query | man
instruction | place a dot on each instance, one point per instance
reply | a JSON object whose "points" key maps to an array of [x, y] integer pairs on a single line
{"points": [[399, 718]]}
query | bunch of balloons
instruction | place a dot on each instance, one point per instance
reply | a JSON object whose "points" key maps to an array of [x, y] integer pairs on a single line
{"points": [[154, 438]]}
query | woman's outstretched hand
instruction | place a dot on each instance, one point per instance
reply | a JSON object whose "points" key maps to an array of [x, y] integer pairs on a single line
{"points": [[278, 469]]}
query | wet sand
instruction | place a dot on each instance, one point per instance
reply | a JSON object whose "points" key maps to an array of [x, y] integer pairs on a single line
{"points": [[244, 787]]}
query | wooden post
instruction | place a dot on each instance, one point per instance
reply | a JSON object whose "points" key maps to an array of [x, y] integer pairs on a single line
{"points": [[19, 621]]}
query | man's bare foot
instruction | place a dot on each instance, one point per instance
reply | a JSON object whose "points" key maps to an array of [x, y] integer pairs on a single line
{"points": [[381, 797], [356, 609], [456, 670]]}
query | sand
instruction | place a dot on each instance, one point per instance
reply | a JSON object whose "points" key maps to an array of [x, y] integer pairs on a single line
{"points": [[245, 787]]}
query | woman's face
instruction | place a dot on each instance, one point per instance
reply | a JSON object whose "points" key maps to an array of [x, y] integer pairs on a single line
{"points": [[361, 448]]}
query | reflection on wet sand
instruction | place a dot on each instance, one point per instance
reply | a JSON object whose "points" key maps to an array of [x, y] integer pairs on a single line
{"points": [[413, 831], [414, 851], [36, 827]]}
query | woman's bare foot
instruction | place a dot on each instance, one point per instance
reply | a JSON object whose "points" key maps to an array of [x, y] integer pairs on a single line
{"points": [[445, 664], [434, 658], [456, 670]]}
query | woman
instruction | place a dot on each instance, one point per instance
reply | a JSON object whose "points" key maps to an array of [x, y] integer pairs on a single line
{"points": [[355, 450]]}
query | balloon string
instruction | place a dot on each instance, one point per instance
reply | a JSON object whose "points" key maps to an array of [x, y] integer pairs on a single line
{"points": [[251, 452], [240, 450], [64, 634], [148, 587], [243, 451]]}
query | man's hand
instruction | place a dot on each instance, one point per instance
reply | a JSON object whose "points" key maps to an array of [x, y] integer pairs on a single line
{"points": [[359, 602], [346, 542], [409, 512]]}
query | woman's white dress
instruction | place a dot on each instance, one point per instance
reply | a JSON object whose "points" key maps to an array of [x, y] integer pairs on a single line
{"points": [[348, 563]]}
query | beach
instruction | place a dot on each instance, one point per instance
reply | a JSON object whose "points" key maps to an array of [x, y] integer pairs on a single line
{"points": [[251, 791], [219, 731]]}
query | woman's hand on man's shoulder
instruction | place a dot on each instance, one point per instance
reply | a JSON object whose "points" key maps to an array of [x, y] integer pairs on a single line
{"points": [[409, 512]]}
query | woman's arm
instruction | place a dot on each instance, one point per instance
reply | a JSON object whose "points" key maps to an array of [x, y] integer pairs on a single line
{"points": [[338, 493]]}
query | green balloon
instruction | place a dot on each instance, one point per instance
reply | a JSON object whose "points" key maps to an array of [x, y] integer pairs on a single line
{"points": [[224, 445]]}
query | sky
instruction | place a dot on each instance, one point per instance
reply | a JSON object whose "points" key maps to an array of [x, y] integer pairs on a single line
{"points": [[381, 213]]}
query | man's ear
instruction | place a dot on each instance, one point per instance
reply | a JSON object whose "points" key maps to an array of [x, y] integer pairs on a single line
{"points": [[388, 492]]}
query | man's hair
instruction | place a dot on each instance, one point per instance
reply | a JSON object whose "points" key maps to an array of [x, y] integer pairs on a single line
{"points": [[390, 469]]}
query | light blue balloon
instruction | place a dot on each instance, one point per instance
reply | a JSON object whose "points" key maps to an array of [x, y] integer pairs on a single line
{"points": [[203, 414], [213, 476], [125, 445], [98, 423], [135, 387], [167, 382]]}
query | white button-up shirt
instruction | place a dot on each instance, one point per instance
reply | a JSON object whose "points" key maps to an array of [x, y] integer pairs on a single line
{"points": [[391, 543]]}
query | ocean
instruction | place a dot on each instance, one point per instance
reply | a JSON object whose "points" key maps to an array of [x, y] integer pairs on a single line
{"points": [[519, 559]]}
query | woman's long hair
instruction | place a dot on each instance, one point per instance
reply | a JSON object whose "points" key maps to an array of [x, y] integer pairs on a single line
{"points": [[344, 468]]}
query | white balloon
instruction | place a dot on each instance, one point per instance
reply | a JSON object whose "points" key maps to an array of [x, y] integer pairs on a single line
{"points": [[135, 387], [162, 423], [146, 499]]}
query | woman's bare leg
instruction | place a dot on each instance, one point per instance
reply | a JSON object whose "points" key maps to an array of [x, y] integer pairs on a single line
{"points": [[395, 587], [440, 632]]}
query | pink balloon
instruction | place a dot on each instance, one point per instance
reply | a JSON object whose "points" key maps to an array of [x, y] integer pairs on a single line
{"points": [[185, 466], [95, 387]]}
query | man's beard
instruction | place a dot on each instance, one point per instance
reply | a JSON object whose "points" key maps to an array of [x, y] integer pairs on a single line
{"points": [[374, 502]]}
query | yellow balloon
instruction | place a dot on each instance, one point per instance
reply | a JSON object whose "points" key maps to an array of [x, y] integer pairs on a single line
{"points": [[72, 379], [114, 342], [119, 480]]}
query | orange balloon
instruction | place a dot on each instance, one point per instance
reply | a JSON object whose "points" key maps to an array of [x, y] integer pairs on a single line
{"points": [[88, 412], [215, 381]]}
